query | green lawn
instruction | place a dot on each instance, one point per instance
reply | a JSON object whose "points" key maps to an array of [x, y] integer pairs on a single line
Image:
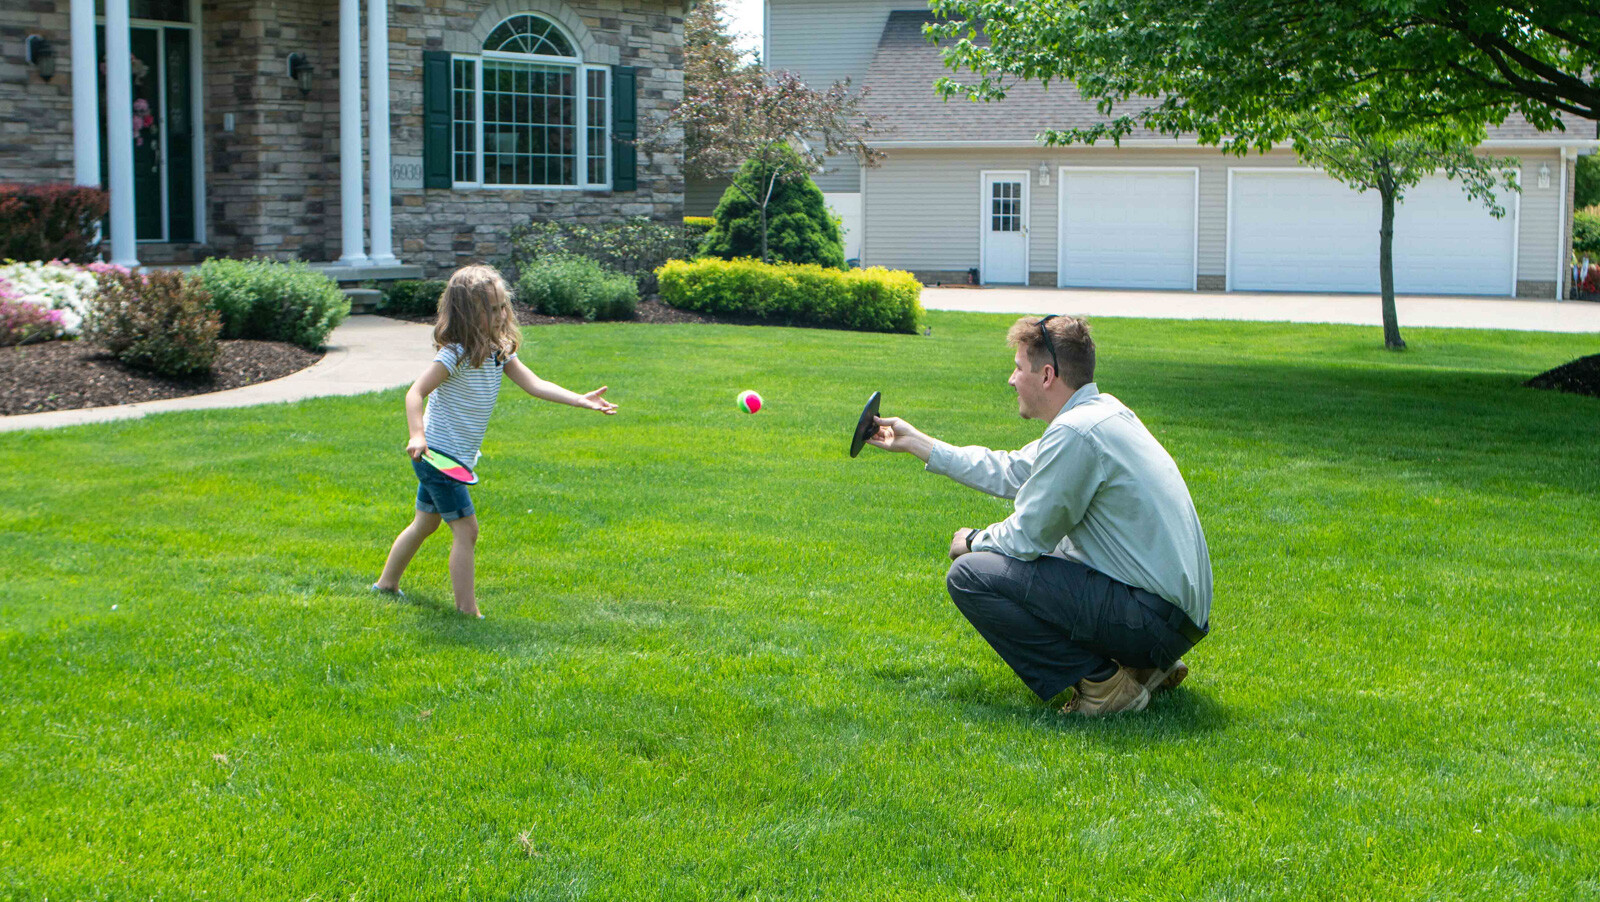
{"points": [[720, 661]]}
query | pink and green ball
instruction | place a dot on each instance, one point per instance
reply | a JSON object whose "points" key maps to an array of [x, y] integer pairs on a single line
{"points": [[749, 401]]}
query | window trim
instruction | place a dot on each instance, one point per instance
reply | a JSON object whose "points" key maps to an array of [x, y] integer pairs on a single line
{"points": [[581, 98]]}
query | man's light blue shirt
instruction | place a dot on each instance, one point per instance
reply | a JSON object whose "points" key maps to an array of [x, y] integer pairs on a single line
{"points": [[1099, 489]]}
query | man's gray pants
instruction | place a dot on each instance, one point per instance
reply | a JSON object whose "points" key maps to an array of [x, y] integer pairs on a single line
{"points": [[1056, 621]]}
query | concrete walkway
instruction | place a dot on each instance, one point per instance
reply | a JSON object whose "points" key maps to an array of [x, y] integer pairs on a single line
{"points": [[1363, 310], [366, 353]]}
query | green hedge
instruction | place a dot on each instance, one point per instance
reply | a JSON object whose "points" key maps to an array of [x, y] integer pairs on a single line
{"points": [[1586, 234], [272, 301], [413, 297], [874, 300], [569, 285]]}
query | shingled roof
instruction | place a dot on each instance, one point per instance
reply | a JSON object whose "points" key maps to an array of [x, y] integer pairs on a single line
{"points": [[901, 96]]}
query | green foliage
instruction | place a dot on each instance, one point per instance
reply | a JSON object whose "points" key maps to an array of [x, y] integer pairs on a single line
{"points": [[1586, 233], [874, 300], [271, 301], [799, 228], [569, 285], [160, 321], [1586, 187], [413, 297], [635, 247]]}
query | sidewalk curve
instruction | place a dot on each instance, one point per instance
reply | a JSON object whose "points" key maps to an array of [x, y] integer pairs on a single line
{"points": [[366, 353]]}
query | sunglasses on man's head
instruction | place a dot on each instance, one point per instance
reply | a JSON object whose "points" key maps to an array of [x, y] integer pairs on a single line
{"points": [[1048, 343]]}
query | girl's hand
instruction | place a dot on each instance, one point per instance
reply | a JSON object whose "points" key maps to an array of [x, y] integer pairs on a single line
{"points": [[417, 447], [593, 401]]}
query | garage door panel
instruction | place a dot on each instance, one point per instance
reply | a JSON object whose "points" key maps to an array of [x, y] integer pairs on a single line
{"points": [[1127, 229], [1304, 231]]}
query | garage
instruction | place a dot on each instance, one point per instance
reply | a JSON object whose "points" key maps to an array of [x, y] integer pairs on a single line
{"points": [[1299, 230], [1128, 228]]}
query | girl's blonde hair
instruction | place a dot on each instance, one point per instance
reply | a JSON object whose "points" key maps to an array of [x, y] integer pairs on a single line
{"points": [[475, 313]]}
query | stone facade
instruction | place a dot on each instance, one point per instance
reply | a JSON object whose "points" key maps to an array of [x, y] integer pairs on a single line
{"points": [[272, 180], [35, 115]]}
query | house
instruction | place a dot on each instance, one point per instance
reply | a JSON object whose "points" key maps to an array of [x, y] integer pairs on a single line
{"points": [[967, 187], [378, 139]]}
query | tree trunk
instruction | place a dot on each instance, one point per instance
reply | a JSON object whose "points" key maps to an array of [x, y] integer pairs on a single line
{"points": [[1391, 320], [764, 232]]}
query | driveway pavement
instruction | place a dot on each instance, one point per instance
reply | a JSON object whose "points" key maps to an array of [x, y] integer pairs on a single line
{"points": [[1362, 310]]}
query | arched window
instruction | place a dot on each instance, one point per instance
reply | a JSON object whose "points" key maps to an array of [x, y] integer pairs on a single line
{"points": [[527, 111]]}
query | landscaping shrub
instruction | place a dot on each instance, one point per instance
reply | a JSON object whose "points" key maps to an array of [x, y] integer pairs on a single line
{"points": [[799, 227], [413, 297], [695, 229], [160, 321], [1586, 233], [272, 301], [67, 288], [1586, 182], [50, 222], [635, 247], [22, 322], [875, 300], [570, 285]]}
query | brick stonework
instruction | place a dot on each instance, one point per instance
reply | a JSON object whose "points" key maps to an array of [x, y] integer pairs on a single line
{"points": [[1211, 283], [272, 184], [35, 115]]}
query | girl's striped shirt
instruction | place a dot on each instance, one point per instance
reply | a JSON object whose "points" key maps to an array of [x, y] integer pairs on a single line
{"points": [[458, 410]]}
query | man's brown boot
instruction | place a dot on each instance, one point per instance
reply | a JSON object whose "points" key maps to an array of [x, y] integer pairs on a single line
{"points": [[1156, 679], [1113, 695]]}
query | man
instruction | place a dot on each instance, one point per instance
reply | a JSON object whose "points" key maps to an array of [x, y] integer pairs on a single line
{"points": [[1100, 578]]}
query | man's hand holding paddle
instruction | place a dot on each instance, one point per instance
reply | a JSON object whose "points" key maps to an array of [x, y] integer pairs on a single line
{"points": [[895, 434]]}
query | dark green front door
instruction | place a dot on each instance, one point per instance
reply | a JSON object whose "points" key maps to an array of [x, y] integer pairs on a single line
{"points": [[163, 132]]}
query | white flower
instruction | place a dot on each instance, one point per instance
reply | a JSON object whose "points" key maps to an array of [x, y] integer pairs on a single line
{"points": [[54, 286]]}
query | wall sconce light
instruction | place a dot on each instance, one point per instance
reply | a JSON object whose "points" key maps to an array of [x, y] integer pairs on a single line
{"points": [[39, 54], [1044, 172], [1544, 175], [300, 70]]}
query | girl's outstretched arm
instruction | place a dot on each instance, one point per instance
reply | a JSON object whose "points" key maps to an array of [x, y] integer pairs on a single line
{"points": [[519, 373], [416, 398]]}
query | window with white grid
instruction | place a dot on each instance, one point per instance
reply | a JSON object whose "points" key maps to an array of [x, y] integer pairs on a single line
{"points": [[1006, 207], [529, 113]]}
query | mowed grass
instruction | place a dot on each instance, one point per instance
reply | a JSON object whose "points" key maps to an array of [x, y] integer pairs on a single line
{"points": [[719, 660]]}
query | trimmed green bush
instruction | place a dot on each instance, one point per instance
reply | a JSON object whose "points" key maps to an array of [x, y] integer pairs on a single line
{"points": [[634, 247], [872, 300], [799, 227], [413, 297], [569, 285], [160, 321], [1586, 181], [1586, 233], [272, 301]]}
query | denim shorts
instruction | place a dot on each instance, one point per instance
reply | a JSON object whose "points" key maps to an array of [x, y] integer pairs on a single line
{"points": [[439, 494]]}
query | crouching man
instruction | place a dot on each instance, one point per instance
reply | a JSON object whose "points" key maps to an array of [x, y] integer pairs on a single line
{"points": [[1100, 578]]}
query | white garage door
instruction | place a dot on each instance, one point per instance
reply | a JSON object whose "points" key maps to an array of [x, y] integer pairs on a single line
{"points": [[1128, 228], [1303, 231]]}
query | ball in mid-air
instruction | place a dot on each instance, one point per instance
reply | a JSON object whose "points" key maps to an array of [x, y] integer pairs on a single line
{"points": [[749, 401]]}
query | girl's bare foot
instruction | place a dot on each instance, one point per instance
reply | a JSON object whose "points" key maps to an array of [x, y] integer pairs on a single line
{"points": [[472, 611]]}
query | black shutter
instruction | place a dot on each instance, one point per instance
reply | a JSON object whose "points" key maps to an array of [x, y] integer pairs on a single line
{"points": [[436, 119], [624, 129]]}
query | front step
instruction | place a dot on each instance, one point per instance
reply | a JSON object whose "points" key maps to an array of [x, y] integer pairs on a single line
{"points": [[363, 300]]}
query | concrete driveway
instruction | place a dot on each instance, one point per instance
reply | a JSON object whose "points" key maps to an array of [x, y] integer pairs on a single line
{"points": [[1362, 310]]}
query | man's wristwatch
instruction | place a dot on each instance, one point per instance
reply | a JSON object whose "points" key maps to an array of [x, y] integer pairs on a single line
{"points": [[970, 534]]}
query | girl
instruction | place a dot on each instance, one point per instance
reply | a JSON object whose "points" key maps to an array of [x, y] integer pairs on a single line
{"points": [[477, 339]]}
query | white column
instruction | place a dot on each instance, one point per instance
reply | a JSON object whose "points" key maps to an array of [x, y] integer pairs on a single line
{"points": [[382, 250], [119, 133], [350, 132], [85, 97]]}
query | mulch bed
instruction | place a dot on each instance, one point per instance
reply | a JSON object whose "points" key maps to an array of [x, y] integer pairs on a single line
{"points": [[1580, 377], [68, 375]]}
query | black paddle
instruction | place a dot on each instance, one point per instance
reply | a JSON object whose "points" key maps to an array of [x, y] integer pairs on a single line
{"points": [[867, 426]]}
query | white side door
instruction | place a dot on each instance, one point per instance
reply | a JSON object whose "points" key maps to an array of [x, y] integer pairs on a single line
{"points": [[1004, 225]]}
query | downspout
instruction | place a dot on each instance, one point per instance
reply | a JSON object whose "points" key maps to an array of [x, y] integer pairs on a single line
{"points": [[1563, 234]]}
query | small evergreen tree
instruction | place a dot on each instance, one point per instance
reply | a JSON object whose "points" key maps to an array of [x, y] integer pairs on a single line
{"points": [[794, 219]]}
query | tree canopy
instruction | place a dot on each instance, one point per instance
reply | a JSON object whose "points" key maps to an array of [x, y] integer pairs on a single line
{"points": [[1244, 74]]}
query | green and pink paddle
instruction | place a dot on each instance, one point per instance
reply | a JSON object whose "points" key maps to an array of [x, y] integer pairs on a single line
{"points": [[450, 467]]}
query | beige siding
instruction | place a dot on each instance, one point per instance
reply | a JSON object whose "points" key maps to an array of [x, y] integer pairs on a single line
{"points": [[824, 41], [921, 207]]}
